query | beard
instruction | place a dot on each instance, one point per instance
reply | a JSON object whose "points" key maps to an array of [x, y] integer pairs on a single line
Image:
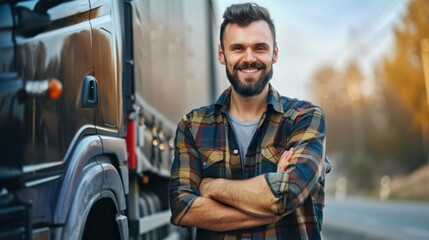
{"points": [[249, 89]]}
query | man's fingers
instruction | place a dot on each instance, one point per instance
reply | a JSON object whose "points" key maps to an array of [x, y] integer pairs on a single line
{"points": [[286, 156], [284, 160]]}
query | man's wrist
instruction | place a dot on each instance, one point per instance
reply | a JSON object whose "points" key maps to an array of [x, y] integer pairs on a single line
{"points": [[209, 187]]}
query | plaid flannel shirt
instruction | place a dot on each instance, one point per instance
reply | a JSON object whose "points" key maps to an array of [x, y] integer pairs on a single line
{"points": [[205, 146]]}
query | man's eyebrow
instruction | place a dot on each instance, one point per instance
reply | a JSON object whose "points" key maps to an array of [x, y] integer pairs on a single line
{"points": [[264, 44], [235, 45], [241, 45]]}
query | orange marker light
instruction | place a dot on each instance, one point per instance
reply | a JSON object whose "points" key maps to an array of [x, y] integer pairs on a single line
{"points": [[55, 89]]}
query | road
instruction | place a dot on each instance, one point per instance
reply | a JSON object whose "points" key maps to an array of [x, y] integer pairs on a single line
{"points": [[366, 219]]}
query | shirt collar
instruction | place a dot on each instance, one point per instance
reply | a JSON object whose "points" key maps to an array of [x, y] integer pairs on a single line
{"points": [[274, 100]]}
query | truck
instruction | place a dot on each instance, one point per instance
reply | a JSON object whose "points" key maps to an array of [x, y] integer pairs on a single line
{"points": [[90, 94]]}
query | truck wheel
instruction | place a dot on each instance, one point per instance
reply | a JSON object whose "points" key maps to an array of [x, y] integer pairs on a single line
{"points": [[101, 223], [150, 204]]}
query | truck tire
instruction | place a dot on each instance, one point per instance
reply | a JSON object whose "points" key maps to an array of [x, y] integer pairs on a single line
{"points": [[101, 223], [149, 204]]}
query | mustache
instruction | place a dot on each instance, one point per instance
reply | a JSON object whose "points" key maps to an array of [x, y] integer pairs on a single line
{"points": [[245, 65]]}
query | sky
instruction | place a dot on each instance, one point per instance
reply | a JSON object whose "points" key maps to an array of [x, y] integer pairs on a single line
{"points": [[311, 33]]}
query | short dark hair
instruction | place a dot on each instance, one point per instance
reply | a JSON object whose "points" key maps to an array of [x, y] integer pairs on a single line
{"points": [[243, 14]]}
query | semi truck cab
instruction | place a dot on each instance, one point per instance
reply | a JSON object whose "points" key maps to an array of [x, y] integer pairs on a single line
{"points": [[90, 94]]}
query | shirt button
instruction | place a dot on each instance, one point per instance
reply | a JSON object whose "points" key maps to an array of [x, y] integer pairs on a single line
{"points": [[204, 164], [235, 151]]}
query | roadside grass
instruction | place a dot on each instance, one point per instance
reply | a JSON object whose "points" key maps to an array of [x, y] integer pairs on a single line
{"points": [[414, 186]]}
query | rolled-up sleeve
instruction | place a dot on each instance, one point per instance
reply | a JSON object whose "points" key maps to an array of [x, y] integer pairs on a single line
{"points": [[185, 173], [292, 187]]}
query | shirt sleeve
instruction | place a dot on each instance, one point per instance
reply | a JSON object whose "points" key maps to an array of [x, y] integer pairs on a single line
{"points": [[292, 187], [185, 173]]}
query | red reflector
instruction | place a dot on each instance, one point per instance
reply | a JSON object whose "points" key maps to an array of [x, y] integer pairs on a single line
{"points": [[55, 89], [131, 143]]}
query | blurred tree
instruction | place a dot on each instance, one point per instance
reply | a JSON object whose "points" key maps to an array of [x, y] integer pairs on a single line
{"points": [[404, 72], [329, 92], [373, 135], [396, 144], [349, 117], [354, 80]]}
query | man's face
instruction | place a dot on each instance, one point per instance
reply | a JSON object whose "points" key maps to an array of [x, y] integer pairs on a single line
{"points": [[248, 56]]}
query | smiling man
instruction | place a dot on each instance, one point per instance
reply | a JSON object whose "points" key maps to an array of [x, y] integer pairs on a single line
{"points": [[252, 164]]}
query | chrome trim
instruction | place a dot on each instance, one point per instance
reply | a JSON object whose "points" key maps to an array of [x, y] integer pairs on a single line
{"points": [[154, 221], [42, 180], [106, 129], [37, 167]]}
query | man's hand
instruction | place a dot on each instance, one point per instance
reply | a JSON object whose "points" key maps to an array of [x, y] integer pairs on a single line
{"points": [[205, 186], [284, 160]]}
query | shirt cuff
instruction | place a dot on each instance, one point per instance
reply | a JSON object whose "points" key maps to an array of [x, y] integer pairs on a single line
{"points": [[181, 207], [278, 184]]}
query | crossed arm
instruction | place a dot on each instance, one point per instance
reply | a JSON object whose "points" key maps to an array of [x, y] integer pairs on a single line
{"points": [[210, 214], [225, 205]]}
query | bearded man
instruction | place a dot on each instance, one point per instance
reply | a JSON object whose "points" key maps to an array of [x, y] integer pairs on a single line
{"points": [[252, 164]]}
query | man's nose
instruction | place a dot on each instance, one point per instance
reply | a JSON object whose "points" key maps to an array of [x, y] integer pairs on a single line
{"points": [[249, 55]]}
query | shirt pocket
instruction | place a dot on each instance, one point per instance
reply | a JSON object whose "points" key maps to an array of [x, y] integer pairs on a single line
{"points": [[270, 157], [212, 163]]}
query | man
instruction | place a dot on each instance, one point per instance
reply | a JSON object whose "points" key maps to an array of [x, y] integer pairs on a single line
{"points": [[252, 164]]}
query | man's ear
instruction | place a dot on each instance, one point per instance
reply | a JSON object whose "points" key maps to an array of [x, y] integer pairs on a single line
{"points": [[220, 54], [275, 53]]}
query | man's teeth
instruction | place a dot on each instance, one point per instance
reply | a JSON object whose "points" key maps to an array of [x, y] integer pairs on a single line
{"points": [[252, 70]]}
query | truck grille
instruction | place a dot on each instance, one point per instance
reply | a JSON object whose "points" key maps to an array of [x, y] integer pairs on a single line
{"points": [[14, 219]]}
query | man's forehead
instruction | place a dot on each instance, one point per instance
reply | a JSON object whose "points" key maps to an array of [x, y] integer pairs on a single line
{"points": [[258, 31]]}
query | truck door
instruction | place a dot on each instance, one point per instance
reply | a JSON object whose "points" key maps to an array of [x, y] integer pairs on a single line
{"points": [[53, 41], [106, 32]]}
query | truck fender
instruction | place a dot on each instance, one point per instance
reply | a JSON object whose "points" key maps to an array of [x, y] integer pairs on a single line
{"points": [[90, 176], [99, 180], [86, 150]]}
